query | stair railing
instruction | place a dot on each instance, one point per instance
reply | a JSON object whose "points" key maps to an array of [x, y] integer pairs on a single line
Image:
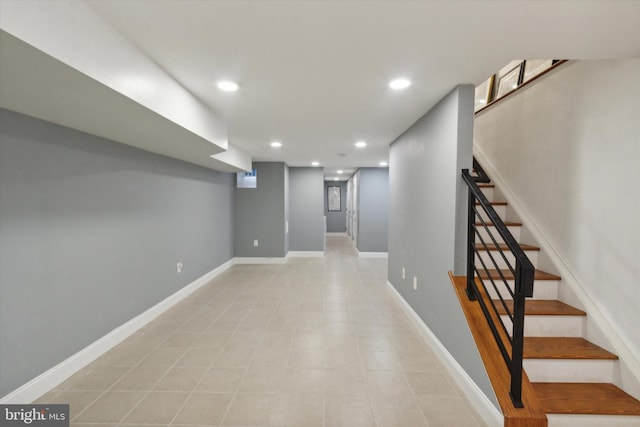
{"points": [[484, 273]]}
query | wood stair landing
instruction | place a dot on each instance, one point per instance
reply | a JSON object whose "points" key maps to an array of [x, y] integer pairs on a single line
{"points": [[585, 398], [532, 415], [541, 308], [564, 348]]}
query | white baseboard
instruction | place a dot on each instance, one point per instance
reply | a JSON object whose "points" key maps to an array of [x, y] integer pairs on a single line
{"points": [[44, 382], [622, 346], [260, 260], [372, 254], [336, 234], [305, 254], [476, 397]]}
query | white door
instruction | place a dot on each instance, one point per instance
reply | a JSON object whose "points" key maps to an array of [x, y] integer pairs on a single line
{"points": [[349, 207]]}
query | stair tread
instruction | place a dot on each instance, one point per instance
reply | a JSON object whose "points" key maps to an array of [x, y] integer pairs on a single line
{"points": [[564, 348], [537, 307], [486, 185], [507, 223], [585, 398], [539, 275], [495, 203], [504, 247]]}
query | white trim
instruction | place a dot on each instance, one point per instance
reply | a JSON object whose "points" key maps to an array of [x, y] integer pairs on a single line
{"points": [[47, 380], [335, 234], [260, 260], [622, 346], [305, 254], [491, 415], [372, 254]]}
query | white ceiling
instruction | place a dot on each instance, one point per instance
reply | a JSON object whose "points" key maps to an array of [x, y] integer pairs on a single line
{"points": [[314, 74]]}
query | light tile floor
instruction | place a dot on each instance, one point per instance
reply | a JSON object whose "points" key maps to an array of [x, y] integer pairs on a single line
{"points": [[313, 342]]}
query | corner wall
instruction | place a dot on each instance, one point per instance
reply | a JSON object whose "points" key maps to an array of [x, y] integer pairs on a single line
{"points": [[373, 209], [92, 231], [426, 194], [260, 213], [306, 215], [287, 209]]}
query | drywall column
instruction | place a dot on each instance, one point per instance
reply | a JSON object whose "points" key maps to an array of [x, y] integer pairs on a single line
{"points": [[373, 221], [306, 221], [426, 199], [287, 209], [336, 220], [92, 231], [260, 213]]}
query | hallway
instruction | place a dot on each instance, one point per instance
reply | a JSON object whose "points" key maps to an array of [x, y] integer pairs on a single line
{"points": [[313, 342]]}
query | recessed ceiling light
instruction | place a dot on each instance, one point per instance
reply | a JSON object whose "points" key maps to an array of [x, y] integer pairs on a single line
{"points": [[361, 144], [340, 171], [227, 86], [335, 179], [276, 144], [399, 83], [315, 163], [383, 163]]}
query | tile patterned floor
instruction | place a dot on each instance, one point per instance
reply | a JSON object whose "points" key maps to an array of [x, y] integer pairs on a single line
{"points": [[314, 342]]}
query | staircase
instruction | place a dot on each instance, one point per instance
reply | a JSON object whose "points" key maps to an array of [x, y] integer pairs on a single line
{"points": [[571, 376]]}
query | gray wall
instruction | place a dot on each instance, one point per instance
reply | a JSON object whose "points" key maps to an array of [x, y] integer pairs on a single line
{"points": [[336, 221], [425, 197], [373, 210], [306, 221], [287, 205], [91, 234], [260, 213]]}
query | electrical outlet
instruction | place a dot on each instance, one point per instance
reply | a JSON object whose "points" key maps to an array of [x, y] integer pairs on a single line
{"points": [[179, 267], [415, 283], [255, 243], [403, 274]]}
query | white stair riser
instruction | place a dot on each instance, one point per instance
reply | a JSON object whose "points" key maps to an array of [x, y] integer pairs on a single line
{"points": [[542, 289], [500, 210], [514, 230], [500, 262], [570, 420], [569, 370], [488, 192], [550, 326]]}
